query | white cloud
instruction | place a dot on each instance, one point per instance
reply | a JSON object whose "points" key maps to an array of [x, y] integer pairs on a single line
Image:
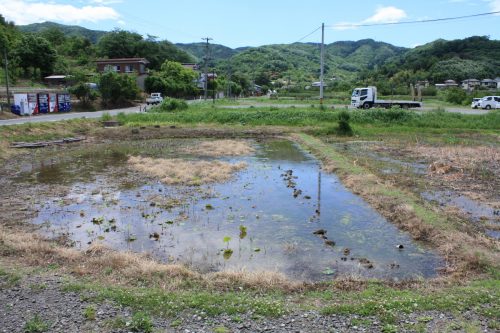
{"points": [[105, 2], [26, 12], [388, 14], [495, 5]]}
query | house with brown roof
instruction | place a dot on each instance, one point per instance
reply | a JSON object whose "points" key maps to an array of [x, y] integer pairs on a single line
{"points": [[135, 66]]}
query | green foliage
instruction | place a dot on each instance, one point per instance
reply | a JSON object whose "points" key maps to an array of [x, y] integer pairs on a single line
{"points": [[310, 117], [82, 90], [172, 80], [126, 44], [117, 90], [344, 127], [90, 312], [67, 30], [171, 104], [297, 64], [456, 96], [217, 52], [473, 57], [141, 322], [37, 53], [36, 325]]}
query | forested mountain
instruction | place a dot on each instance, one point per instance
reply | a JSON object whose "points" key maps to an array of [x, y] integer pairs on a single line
{"points": [[474, 57], [216, 51], [299, 62], [68, 30]]}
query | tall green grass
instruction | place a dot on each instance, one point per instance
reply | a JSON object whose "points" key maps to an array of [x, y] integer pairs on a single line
{"points": [[316, 117]]}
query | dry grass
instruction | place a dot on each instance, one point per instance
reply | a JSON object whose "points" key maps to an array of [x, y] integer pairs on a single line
{"points": [[184, 172], [219, 148], [460, 156]]}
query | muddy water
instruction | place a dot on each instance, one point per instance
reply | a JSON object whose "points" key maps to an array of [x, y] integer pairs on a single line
{"points": [[263, 219]]}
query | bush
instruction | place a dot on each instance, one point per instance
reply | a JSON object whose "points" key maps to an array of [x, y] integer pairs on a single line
{"points": [[456, 96], [344, 127], [171, 104], [141, 322]]}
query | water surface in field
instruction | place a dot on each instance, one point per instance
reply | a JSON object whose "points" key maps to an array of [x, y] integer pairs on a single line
{"points": [[263, 219]]}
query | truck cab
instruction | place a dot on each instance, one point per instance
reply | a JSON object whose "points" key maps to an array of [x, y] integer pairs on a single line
{"points": [[363, 97]]}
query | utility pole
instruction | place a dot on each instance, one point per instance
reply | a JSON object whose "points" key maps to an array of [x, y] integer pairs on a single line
{"points": [[322, 64], [205, 83], [6, 76]]}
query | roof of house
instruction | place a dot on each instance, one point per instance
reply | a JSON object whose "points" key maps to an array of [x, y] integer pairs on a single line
{"points": [[449, 81], [122, 60], [487, 80], [470, 80]]}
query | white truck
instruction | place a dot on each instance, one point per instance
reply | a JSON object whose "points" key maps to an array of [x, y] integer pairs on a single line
{"points": [[365, 98], [154, 98]]}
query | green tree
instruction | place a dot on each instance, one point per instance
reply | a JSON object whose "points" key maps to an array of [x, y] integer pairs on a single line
{"points": [[34, 52], [125, 44], [82, 90], [119, 44], [54, 35], [117, 90], [173, 80]]}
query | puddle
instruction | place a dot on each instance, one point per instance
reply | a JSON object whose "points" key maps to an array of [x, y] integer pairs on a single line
{"points": [[265, 218], [474, 210]]}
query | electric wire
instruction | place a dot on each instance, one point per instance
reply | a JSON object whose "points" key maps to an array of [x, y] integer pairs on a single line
{"points": [[356, 25], [309, 34]]}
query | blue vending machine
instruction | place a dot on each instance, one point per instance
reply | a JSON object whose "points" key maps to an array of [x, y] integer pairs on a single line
{"points": [[43, 103]]}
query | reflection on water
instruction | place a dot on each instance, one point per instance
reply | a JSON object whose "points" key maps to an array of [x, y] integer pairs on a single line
{"points": [[264, 219]]}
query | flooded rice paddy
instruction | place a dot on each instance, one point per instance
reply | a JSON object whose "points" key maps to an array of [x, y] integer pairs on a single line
{"points": [[280, 213]]}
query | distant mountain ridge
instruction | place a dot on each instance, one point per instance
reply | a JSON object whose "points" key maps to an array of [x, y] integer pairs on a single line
{"points": [[367, 60], [68, 30]]}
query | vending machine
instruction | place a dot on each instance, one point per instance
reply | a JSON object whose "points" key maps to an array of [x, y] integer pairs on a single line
{"points": [[43, 103], [20, 106], [32, 103], [52, 102]]}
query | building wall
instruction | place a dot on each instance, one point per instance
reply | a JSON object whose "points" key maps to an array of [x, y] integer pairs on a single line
{"points": [[137, 68]]}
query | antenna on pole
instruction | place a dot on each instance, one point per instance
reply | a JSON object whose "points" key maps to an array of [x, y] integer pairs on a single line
{"points": [[322, 63], [205, 81]]}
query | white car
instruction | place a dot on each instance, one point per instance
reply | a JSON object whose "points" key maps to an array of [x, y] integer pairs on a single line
{"points": [[476, 102], [490, 102]]}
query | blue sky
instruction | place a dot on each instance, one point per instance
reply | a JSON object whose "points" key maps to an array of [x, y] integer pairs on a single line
{"points": [[258, 22]]}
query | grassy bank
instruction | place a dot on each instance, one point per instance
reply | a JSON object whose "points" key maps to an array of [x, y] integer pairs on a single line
{"points": [[202, 114]]}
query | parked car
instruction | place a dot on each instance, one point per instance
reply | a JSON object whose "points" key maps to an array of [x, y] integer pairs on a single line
{"points": [[490, 102], [154, 98], [476, 102]]}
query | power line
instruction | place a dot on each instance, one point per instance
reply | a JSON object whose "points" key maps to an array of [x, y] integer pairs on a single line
{"points": [[309, 34], [412, 22]]}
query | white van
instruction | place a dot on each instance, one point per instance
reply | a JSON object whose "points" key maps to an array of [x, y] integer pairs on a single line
{"points": [[490, 102]]}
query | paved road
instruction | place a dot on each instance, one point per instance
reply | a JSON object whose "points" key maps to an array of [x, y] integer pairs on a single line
{"points": [[340, 106], [66, 116]]}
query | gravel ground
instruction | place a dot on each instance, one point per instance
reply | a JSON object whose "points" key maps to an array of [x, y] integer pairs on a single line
{"points": [[64, 312]]}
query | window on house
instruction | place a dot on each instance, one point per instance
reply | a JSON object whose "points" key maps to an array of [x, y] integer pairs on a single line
{"points": [[129, 68]]}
